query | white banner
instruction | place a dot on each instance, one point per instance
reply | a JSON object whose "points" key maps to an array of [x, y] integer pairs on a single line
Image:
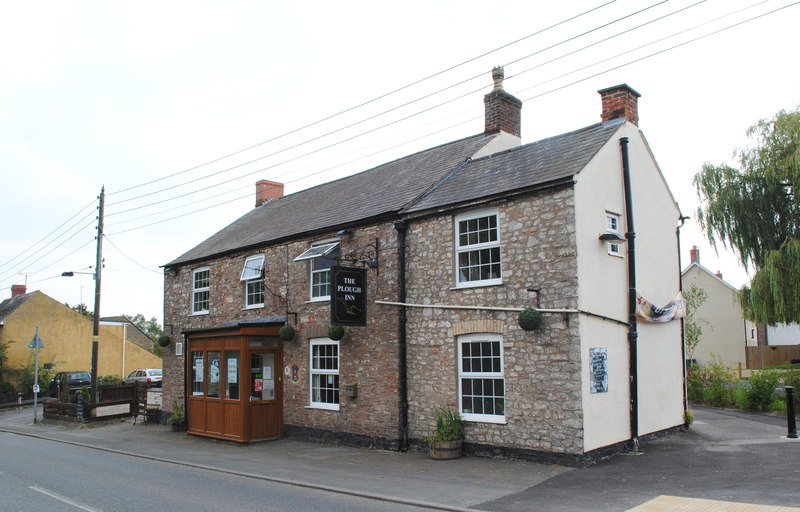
{"points": [[675, 309]]}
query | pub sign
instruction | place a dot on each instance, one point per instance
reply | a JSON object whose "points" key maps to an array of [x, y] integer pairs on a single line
{"points": [[349, 296]]}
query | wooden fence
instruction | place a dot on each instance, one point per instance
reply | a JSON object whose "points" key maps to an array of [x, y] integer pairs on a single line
{"points": [[115, 401], [772, 355]]}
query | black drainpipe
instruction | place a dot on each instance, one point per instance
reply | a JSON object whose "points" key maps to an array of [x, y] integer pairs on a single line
{"points": [[633, 334], [400, 226]]}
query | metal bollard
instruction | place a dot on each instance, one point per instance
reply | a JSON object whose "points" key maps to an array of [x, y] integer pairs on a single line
{"points": [[19, 401], [792, 424]]}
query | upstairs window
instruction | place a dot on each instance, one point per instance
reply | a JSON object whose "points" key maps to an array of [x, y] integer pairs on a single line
{"points": [[201, 278], [612, 227], [478, 249], [322, 256], [253, 277]]}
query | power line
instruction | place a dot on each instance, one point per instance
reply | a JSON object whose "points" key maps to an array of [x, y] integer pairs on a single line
{"points": [[533, 97], [129, 258], [372, 130], [47, 235], [385, 95], [50, 243]]}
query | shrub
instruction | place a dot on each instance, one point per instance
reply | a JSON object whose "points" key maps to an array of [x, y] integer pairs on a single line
{"points": [[25, 378], [449, 427], [109, 380], [793, 379], [759, 394], [712, 384]]}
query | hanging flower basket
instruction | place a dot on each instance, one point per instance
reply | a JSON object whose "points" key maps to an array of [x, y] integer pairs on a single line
{"points": [[286, 333], [335, 332], [163, 340], [529, 319]]}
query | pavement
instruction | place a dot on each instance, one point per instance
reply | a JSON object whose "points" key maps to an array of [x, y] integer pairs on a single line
{"points": [[727, 461]]}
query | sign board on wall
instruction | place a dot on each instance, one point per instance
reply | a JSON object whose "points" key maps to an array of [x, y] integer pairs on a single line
{"points": [[348, 296]]}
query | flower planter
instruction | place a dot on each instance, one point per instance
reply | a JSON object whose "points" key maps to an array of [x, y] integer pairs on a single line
{"points": [[445, 450]]}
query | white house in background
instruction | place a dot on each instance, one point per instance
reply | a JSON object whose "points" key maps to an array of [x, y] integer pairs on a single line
{"points": [[726, 333], [783, 334]]}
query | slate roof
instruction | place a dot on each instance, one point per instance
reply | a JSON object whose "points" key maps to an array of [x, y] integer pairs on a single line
{"points": [[437, 177], [537, 163], [8, 306], [382, 190]]}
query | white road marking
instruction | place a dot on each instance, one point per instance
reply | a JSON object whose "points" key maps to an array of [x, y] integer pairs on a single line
{"points": [[64, 499]]}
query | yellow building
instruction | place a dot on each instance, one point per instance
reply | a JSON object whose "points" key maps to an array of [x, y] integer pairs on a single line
{"points": [[67, 338]]}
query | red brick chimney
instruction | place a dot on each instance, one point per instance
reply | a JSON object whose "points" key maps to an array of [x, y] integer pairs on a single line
{"points": [[266, 190], [719, 274], [503, 111], [18, 289], [694, 254], [620, 101]]}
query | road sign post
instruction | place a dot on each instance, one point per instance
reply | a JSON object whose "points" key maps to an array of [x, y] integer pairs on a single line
{"points": [[36, 344]]}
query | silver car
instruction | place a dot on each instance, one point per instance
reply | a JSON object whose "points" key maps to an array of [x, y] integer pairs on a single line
{"points": [[150, 375]]}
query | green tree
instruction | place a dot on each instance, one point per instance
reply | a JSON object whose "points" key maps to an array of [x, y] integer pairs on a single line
{"points": [[82, 309], [150, 327], [692, 324], [754, 211]]}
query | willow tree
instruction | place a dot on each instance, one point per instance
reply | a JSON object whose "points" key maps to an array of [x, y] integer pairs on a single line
{"points": [[754, 210]]}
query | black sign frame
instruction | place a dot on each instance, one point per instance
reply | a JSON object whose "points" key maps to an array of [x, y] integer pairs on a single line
{"points": [[348, 296]]}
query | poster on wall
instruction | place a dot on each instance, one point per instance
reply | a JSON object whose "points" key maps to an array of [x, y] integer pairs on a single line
{"points": [[598, 372]]}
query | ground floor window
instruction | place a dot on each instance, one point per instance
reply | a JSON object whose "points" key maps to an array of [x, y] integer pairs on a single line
{"points": [[209, 375], [324, 366], [481, 381]]}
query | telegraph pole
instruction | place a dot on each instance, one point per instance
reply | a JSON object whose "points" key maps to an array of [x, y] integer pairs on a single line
{"points": [[97, 271]]}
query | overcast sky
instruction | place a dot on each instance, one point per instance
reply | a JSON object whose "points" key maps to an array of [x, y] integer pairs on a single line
{"points": [[160, 101]]}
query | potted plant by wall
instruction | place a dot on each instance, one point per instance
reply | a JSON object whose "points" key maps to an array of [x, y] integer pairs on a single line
{"points": [[445, 442], [177, 420]]}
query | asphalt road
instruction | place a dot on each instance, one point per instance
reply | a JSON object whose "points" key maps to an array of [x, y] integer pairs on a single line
{"points": [[725, 456], [729, 457], [38, 475]]}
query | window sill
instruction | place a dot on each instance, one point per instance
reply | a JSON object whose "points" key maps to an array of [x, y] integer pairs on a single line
{"points": [[319, 300], [323, 407], [254, 306], [480, 418], [477, 284], [200, 313], [616, 254]]}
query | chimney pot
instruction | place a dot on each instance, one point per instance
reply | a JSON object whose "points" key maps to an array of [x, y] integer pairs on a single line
{"points": [[18, 289], [719, 274], [620, 101], [503, 111], [266, 190]]}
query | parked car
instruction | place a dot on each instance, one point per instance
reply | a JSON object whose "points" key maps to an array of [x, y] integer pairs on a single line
{"points": [[151, 375], [72, 380]]}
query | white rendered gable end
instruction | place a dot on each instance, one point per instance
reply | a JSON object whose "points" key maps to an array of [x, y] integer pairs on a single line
{"points": [[500, 142]]}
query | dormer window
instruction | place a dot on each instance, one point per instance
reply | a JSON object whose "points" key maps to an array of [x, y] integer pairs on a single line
{"points": [[253, 277], [322, 256]]}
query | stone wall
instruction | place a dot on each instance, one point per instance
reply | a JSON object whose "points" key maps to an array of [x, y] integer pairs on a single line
{"points": [[368, 355], [542, 368]]}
